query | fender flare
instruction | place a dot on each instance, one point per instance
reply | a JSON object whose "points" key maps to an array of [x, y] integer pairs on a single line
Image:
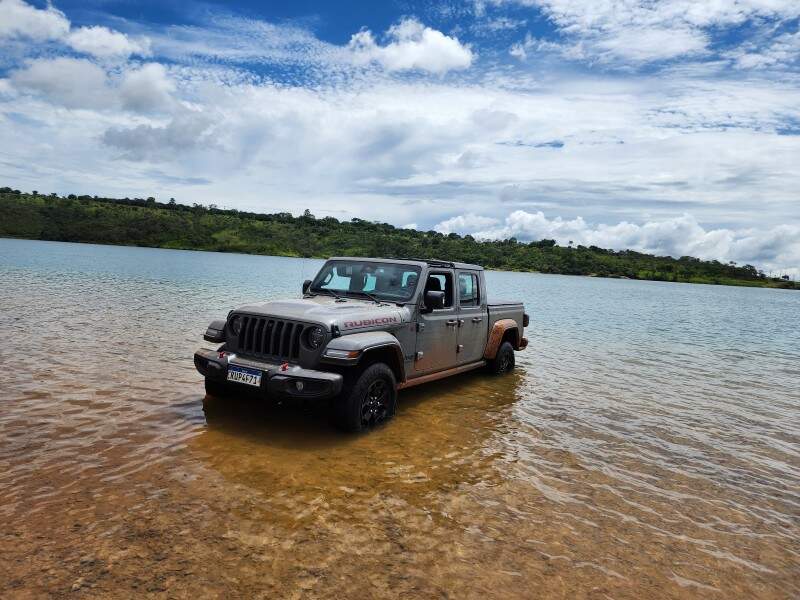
{"points": [[215, 332], [496, 335], [367, 341]]}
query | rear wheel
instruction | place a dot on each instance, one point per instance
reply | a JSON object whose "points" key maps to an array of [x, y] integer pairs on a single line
{"points": [[503, 362], [369, 401], [216, 388]]}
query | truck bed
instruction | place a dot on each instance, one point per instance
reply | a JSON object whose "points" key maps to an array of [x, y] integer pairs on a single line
{"points": [[501, 309]]}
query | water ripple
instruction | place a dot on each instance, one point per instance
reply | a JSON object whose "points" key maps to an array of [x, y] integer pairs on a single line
{"points": [[646, 446]]}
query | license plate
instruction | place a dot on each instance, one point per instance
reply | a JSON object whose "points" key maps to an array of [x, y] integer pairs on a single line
{"points": [[244, 375]]}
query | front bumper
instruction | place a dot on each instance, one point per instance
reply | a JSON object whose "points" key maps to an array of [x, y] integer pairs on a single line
{"points": [[276, 380]]}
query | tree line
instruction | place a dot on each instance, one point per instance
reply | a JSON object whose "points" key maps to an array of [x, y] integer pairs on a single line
{"points": [[147, 222]]}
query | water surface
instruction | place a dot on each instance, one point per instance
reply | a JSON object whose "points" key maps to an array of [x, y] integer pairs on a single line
{"points": [[646, 446]]}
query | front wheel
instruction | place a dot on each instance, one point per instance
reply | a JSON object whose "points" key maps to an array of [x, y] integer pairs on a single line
{"points": [[503, 362], [369, 401]]}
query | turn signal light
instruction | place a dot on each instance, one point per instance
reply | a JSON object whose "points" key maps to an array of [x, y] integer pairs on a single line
{"points": [[332, 353]]}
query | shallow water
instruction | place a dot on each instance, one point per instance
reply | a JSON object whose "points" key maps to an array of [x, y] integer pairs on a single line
{"points": [[647, 446]]}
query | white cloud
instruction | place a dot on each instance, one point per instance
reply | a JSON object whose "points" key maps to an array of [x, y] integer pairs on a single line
{"points": [[773, 248], [570, 51], [646, 44], [80, 83], [147, 89], [18, 19], [102, 42], [71, 82], [519, 50], [492, 26], [468, 223], [412, 46], [231, 39], [641, 31], [783, 50], [182, 133], [21, 21]]}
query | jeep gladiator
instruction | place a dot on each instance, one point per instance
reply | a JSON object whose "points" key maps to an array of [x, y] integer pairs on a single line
{"points": [[364, 329]]}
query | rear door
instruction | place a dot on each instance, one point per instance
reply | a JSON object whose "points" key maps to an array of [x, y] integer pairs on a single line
{"points": [[472, 323], [437, 331]]}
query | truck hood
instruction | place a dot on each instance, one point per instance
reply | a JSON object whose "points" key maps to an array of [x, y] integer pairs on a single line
{"points": [[352, 314]]}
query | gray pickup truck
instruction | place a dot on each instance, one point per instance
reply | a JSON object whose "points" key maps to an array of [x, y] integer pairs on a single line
{"points": [[364, 328]]}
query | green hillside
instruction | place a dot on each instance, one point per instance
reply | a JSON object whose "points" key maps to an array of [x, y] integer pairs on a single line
{"points": [[145, 222]]}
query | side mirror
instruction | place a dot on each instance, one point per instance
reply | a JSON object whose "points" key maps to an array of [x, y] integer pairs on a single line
{"points": [[433, 300], [306, 286]]}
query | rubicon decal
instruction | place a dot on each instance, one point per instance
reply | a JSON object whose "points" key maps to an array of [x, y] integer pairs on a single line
{"points": [[369, 322]]}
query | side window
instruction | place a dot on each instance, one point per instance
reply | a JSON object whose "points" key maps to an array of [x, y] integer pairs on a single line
{"points": [[441, 282], [468, 290]]}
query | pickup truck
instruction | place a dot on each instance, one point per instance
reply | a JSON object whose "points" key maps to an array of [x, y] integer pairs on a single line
{"points": [[364, 329]]}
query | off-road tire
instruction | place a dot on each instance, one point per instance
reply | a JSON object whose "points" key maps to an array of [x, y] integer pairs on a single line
{"points": [[503, 362], [217, 389], [367, 400]]}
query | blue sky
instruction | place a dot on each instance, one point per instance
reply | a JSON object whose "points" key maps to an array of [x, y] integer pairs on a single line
{"points": [[670, 126]]}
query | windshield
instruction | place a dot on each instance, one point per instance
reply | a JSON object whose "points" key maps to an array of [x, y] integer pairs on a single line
{"points": [[383, 281]]}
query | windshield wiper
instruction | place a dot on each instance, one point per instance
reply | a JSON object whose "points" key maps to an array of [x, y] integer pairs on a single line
{"points": [[327, 292], [368, 295]]}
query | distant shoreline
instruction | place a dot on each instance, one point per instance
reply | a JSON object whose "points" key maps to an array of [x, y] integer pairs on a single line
{"points": [[146, 223], [590, 276]]}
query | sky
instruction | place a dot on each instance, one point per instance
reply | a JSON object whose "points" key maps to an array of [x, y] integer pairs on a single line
{"points": [[666, 126]]}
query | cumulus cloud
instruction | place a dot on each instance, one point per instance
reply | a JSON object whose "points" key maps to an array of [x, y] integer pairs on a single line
{"points": [[80, 83], [679, 236], [412, 46], [19, 19], [70, 82], [465, 223], [102, 42], [183, 133], [146, 89]]}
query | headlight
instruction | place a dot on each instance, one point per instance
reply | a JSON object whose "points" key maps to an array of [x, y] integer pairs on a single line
{"points": [[315, 337], [236, 324]]}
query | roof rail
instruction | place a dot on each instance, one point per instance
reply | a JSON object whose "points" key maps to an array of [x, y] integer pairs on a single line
{"points": [[431, 261], [440, 263]]}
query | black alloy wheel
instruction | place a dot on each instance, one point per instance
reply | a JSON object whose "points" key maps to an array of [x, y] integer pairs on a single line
{"points": [[368, 399], [376, 404], [504, 360]]}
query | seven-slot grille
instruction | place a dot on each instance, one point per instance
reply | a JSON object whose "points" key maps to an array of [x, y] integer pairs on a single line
{"points": [[268, 337]]}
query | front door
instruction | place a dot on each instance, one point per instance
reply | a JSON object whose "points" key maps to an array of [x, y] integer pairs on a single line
{"points": [[437, 331], [472, 325]]}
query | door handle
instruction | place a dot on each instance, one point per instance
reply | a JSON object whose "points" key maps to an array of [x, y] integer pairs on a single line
{"points": [[452, 323], [477, 319]]}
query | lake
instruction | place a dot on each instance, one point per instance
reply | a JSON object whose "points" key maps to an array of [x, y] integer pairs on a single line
{"points": [[647, 446]]}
